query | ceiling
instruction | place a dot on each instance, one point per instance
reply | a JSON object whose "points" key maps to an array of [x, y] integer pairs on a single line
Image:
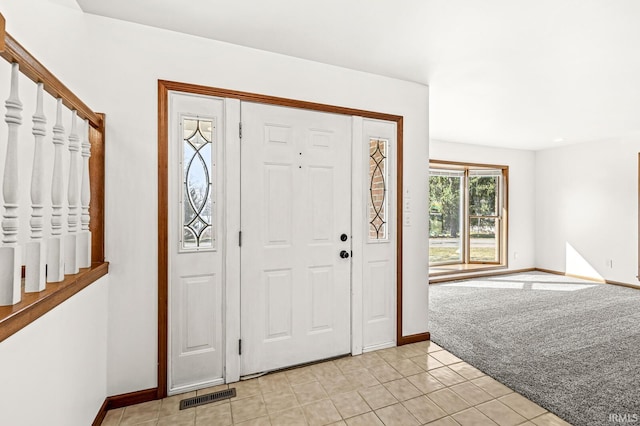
{"points": [[513, 73]]}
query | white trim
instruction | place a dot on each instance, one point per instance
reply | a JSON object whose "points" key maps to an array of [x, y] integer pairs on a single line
{"points": [[378, 347], [231, 262], [195, 386], [357, 237]]}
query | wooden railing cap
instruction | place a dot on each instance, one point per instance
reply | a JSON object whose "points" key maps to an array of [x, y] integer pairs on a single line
{"points": [[2, 32]]}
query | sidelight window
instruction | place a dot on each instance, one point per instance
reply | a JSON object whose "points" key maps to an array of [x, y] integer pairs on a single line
{"points": [[378, 194], [197, 186]]}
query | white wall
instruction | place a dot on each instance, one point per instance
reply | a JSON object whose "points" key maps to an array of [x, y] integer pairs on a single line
{"points": [[587, 209], [53, 372], [114, 66], [521, 244]]}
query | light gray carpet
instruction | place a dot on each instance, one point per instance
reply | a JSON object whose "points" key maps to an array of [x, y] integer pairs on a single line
{"points": [[571, 346]]}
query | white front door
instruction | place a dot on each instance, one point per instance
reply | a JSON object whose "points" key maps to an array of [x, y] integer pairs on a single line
{"points": [[295, 222], [196, 241]]}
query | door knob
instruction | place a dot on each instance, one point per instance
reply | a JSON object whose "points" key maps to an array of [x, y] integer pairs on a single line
{"points": [[344, 254]]}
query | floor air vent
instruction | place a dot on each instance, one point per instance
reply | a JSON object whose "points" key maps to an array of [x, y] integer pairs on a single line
{"points": [[208, 398]]}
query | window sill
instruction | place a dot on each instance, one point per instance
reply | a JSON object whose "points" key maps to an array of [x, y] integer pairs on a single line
{"points": [[445, 270], [34, 305]]}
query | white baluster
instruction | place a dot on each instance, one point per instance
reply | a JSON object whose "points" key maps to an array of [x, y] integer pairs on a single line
{"points": [[10, 256], [71, 242], [35, 262], [84, 236], [55, 245]]}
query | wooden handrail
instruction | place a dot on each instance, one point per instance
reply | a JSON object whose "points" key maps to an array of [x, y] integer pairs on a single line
{"points": [[2, 32], [38, 73], [33, 305]]}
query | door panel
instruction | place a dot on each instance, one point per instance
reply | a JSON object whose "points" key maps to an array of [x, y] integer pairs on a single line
{"points": [[295, 204], [379, 242], [195, 242]]}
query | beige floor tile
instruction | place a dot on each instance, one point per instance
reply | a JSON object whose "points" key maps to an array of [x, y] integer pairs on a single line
{"points": [[377, 397], [406, 367], [272, 383], [472, 417], [422, 346], [211, 421], [293, 417], [259, 421], [445, 357], [246, 388], [396, 415], [339, 423], [140, 413], [222, 409], [349, 363], [471, 393], [424, 409], [371, 359], [337, 384], [448, 400], [113, 417], [309, 392], [465, 370], [248, 408], [350, 404], [280, 401], [447, 376], [301, 396], [427, 362], [391, 354], [210, 390], [549, 419], [321, 412], [432, 347], [367, 419], [384, 373], [171, 405], [491, 386], [184, 418], [445, 421], [402, 389], [214, 414], [361, 378], [500, 413], [412, 350], [425, 382], [325, 369], [300, 376], [522, 405]]}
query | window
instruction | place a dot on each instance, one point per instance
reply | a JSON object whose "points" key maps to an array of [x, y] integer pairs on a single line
{"points": [[197, 204], [378, 198], [467, 214]]}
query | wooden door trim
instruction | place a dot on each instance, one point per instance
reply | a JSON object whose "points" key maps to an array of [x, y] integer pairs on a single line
{"points": [[164, 87]]}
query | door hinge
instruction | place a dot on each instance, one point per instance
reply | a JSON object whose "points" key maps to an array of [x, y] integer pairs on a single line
{"points": [[239, 238], [240, 129], [239, 346]]}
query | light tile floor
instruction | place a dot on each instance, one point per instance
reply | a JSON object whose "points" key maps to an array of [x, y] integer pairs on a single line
{"points": [[415, 384]]}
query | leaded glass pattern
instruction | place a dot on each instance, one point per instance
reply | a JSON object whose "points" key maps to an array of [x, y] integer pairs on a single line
{"points": [[378, 153], [197, 220]]}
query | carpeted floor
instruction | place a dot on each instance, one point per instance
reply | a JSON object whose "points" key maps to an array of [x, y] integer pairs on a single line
{"points": [[571, 346]]}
